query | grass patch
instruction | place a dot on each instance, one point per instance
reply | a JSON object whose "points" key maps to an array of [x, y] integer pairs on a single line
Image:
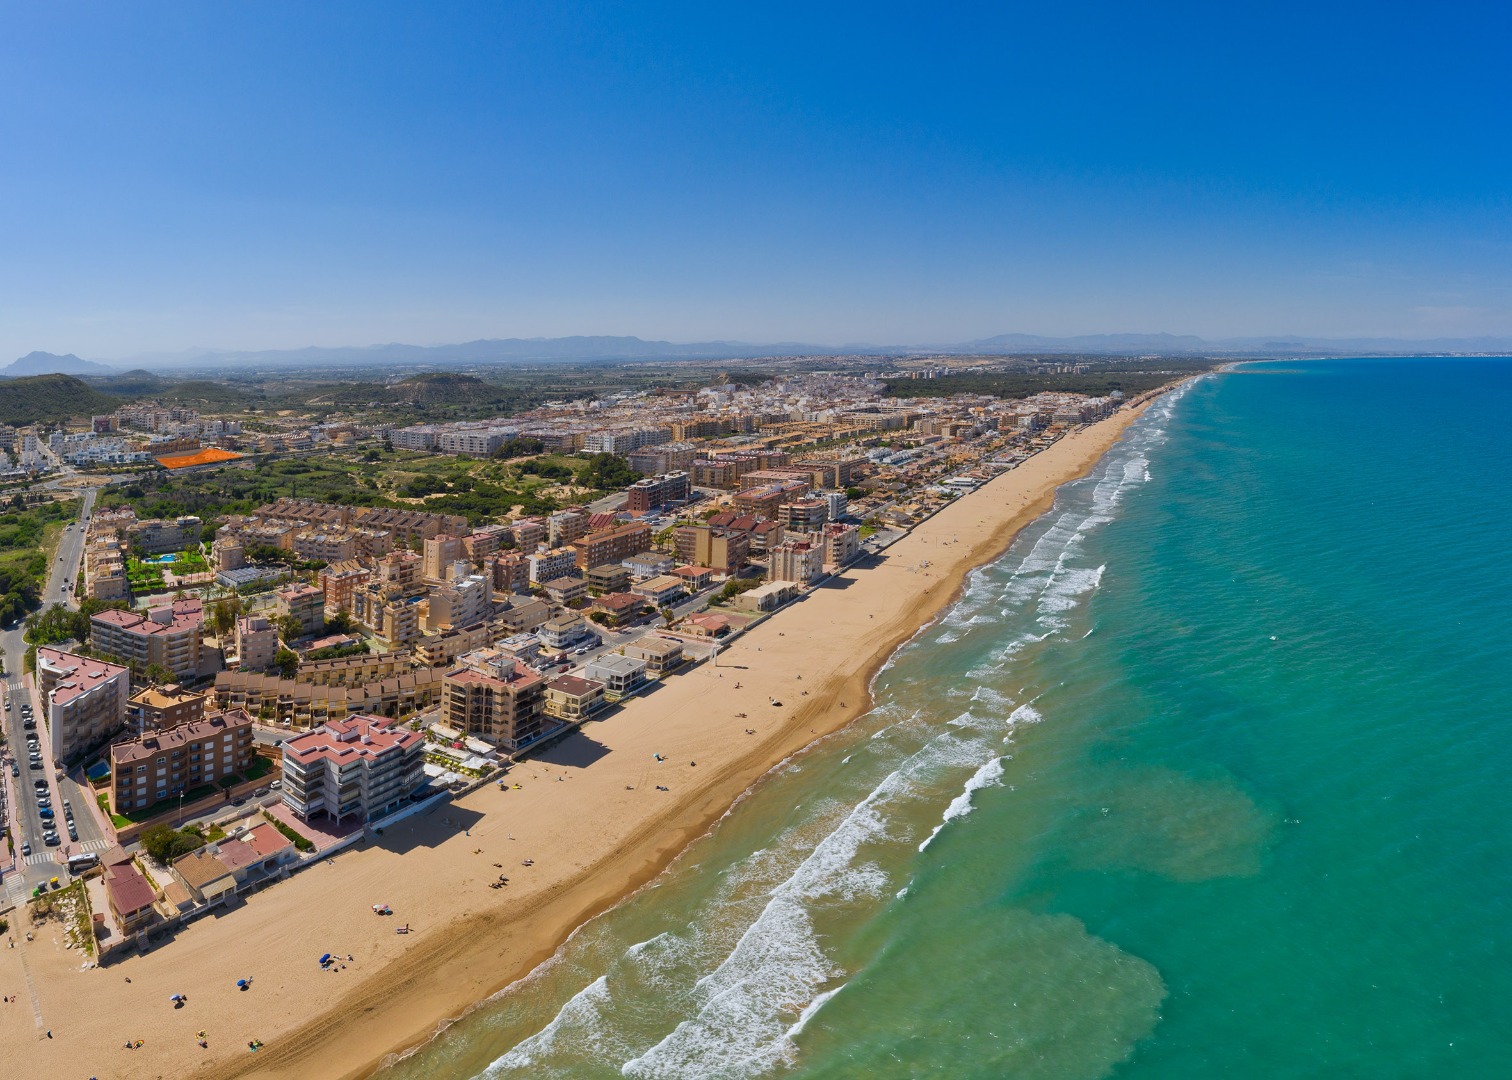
{"points": [[259, 768], [103, 798]]}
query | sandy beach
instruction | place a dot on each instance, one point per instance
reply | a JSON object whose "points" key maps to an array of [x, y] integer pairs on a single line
{"points": [[588, 814]]}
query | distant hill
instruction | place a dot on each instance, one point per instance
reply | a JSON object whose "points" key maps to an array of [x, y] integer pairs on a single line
{"points": [[46, 363], [444, 389], [51, 397]]}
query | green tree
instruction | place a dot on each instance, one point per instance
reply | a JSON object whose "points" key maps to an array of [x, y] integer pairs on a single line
{"points": [[223, 615], [290, 628], [166, 844], [287, 662], [157, 673]]}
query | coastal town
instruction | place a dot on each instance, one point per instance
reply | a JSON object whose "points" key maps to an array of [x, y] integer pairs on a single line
{"points": [[236, 697]]}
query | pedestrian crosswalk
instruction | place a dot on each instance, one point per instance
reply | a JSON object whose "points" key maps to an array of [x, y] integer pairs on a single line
{"points": [[94, 845], [39, 858]]}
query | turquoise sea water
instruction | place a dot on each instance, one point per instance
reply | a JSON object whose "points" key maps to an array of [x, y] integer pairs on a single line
{"points": [[1208, 776]]}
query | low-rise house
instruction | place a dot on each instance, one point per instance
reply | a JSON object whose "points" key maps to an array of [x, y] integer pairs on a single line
{"points": [[572, 698], [617, 608], [660, 655], [131, 897], [620, 675], [660, 590], [768, 597], [205, 876], [696, 577]]}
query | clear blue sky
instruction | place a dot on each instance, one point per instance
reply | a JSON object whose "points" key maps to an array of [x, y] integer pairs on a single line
{"points": [[263, 175]]}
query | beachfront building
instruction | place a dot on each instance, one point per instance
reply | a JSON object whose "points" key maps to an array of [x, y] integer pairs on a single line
{"points": [[162, 764], [660, 655], [796, 560], [460, 601], [84, 700], [842, 543], [171, 636], [495, 697], [440, 554], [565, 590], [571, 698], [767, 597], [619, 675], [130, 895], [355, 769]]}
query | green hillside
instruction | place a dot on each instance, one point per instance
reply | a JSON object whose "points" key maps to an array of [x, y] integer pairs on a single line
{"points": [[50, 397]]}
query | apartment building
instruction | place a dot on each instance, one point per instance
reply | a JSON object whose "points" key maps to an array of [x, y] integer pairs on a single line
{"points": [[324, 545], [171, 636], [496, 698], [356, 769], [439, 555], [725, 550], [162, 764], [565, 526], [305, 603], [161, 707], [389, 612], [545, 566], [607, 578], [659, 460], [796, 560], [337, 582], [84, 700], [650, 494], [443, 650], [804, 515], [256, 643], [612, 545], [842, 543], [157, 536], [459, 602]]}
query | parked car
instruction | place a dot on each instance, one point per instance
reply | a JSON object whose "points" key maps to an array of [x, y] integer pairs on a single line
{"points": [[51, 839], [26, 848], [39, 784]]}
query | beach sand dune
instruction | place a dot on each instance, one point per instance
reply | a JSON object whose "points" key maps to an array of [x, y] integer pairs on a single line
{"points": [[588, 815]]}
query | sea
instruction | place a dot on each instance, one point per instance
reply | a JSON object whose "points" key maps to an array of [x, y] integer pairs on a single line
{"points": [[1210, 775]]}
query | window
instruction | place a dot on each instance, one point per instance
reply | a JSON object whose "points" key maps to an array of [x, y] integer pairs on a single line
{"points": [[141, 769], [162, 761]]}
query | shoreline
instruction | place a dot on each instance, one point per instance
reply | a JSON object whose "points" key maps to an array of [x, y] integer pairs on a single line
{"points": [[603, 838]]}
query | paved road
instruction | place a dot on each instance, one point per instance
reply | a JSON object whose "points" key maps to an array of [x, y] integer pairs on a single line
{"points": [[27, 823]]}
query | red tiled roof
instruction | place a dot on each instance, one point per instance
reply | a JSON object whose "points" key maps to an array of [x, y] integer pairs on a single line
{"points": [[129, 890]]}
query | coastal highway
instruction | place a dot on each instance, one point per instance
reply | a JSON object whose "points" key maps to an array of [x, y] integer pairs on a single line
{"points": [[24, 814]]}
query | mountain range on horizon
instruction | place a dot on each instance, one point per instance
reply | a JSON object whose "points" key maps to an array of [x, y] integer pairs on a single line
{"points": [[629, 348]]}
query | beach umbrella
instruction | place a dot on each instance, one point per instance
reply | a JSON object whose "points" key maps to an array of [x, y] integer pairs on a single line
{"points": [[241, 984], [176, 998], [325, 959]]}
